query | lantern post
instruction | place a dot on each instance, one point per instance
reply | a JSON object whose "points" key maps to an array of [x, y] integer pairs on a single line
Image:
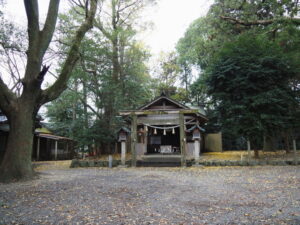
{"points": [[123, 133], [195, 130], [197, 139]]}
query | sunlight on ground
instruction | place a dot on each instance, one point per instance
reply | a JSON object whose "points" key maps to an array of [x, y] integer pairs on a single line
{"points": [[210, 156], [48, 165], [238, 155]]}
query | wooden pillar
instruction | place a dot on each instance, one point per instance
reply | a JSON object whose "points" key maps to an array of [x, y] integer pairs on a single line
{"points": [[67, 148], [38, 149], [197, 151], [182, 140], [123, 153], [145, 140], [133, 140], [55, 153]]}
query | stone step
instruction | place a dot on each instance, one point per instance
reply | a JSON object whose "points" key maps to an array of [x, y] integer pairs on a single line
{"points": [[162, 159], [141, 163]]}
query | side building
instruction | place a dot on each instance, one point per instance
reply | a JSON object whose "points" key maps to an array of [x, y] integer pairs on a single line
{"points": [[46, 145]]}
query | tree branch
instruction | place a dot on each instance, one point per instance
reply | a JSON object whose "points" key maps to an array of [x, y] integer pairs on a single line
{"points": [[60, 84], [32, 13], [48, 30], [295, 21], [6, 97]]}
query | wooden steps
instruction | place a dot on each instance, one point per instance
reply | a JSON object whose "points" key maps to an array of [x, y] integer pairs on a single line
{"points": [[159, 160]]}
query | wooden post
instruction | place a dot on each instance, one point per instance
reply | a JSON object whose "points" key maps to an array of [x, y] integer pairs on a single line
{"points": [[38, 149], [197, 152], [123, 153], [182, 140], [248, 149], [55, 153], [133, 140], [145, 140], [67, 148], [295, 150]]}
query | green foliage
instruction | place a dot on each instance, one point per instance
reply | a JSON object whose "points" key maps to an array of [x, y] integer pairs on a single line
{"points": [[249, 85], [100, 85], [272, 22]]}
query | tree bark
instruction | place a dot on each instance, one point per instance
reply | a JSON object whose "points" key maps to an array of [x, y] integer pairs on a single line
{"points": [[287, 142], [21, 111], [269, 144], [16, 163], [256, 153]]}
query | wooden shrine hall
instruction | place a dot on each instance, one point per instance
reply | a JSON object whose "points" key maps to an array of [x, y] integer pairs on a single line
{"points": [[163, 127]]}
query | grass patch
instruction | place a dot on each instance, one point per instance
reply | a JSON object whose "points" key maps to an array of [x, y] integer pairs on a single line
{"points": [[48, 165]]}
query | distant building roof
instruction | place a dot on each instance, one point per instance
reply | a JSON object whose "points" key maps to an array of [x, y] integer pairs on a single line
{"points": [[199, 108], [163, 97], [51, 136], [43, 130]]}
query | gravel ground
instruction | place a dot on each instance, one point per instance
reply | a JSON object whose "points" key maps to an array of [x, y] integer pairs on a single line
{"points": [[223, 195]]}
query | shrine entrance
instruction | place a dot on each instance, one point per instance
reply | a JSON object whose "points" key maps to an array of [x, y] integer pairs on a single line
{"points": [[165, 127], [165, 141]]}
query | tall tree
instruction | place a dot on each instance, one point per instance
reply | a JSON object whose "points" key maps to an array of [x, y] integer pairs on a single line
{"points": [[249, 82], [98, 92], [226, 21], [117, 21], [21, 110], [166, 73]]}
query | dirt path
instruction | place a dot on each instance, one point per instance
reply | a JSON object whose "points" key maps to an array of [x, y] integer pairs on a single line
{"points": [[231, 195]]}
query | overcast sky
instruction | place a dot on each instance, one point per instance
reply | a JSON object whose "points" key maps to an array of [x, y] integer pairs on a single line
{"points": [[170, 19]]}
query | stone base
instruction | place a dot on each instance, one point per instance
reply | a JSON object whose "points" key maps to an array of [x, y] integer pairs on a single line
{"points": [[122, 166], [198, 166]]}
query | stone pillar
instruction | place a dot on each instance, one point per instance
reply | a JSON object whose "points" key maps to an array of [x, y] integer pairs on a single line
{"points": [[110, 161], [248, 149], [55, 151], [133, 140], [197, 151], [295, 151], [123, 153], [38, 149], [182, 140]]}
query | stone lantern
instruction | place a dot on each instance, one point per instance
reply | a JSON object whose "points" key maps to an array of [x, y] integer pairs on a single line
{"points": [[122, 137], [196, 131]]}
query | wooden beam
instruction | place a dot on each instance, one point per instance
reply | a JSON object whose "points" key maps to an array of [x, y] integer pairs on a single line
{"points": [[133, 140], [156, 112], [182, 140], [157, 122]]}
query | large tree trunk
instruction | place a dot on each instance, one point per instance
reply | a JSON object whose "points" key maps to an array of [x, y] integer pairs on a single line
{"points": [[269, 144], [16, 163], [256, 154], [22, 110]]}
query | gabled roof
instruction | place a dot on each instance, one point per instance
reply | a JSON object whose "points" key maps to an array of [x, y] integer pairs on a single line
{"points": [[163, 97], [166, 105], [196, 126], [125, 129]]}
